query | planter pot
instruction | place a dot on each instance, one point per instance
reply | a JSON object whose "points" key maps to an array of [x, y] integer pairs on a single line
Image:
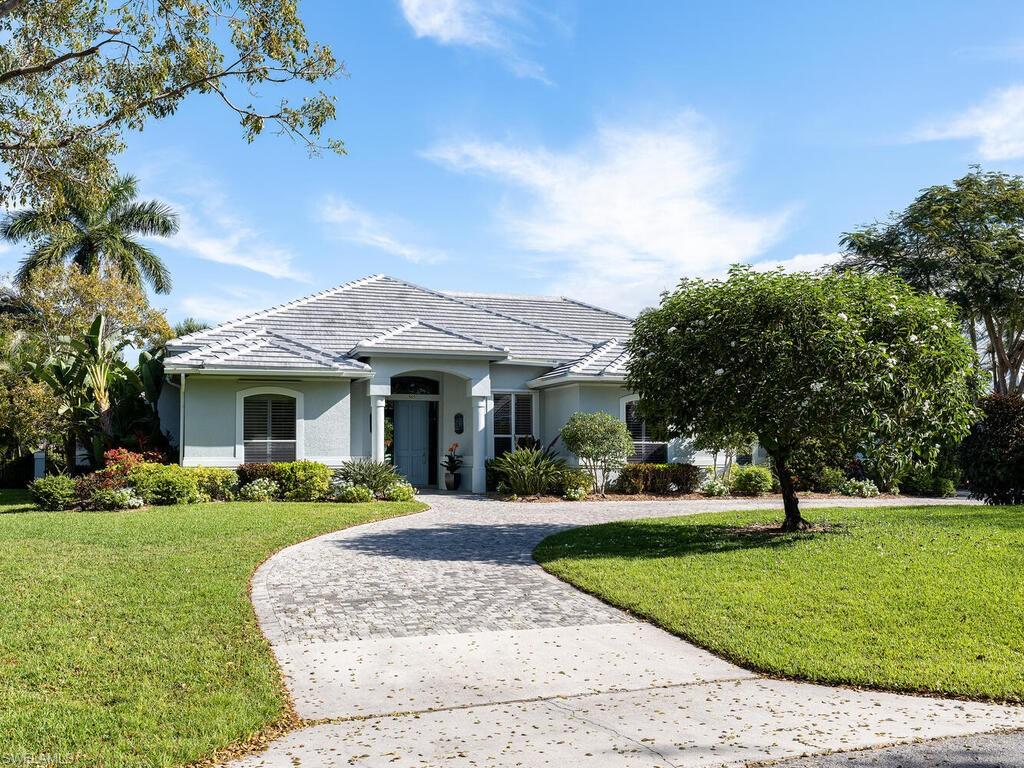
{"points": [[452, 480]]}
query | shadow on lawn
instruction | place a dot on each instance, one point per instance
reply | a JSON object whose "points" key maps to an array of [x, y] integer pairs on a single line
{"points": [[644, 540]]}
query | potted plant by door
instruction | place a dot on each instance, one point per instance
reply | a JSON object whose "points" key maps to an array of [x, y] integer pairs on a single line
{"points": [[452, 462]]}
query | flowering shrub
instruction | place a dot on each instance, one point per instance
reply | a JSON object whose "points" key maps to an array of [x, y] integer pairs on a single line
{"points": [[401, 491], [352, 494], [862, 488], [114, 499], [715, 486], [575, 484], [260, 489]]}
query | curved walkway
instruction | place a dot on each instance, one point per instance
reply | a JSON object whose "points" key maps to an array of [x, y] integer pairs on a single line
{"points": [[434, 640]]}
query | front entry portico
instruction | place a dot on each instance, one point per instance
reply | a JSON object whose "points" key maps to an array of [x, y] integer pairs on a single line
{"points": [[413, 446]]}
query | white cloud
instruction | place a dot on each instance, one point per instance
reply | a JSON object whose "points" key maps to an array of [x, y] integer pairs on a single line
{"points": [[801, 262], [351, 223], [227, 304], [997, 123], [494, 25], [212, 232], [626, 213]]}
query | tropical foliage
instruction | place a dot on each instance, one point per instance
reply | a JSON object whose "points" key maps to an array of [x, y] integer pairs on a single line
{"points": [[528, 471], [993, 454], [861, 360], [98, 234]]}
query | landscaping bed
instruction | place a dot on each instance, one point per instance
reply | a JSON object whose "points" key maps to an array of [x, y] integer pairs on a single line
{"points": [[916, 599], [128, 639]]}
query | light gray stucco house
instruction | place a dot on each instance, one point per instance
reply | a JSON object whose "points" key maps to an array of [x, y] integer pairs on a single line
{"points": [[320, 377]]}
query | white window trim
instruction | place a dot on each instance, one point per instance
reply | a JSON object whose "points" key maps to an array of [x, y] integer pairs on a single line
{"points": [[300, 420]]}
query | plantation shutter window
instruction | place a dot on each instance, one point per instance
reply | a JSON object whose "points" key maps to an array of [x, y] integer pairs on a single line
{"points": [[645, 449], [269, 428], [513, 420]]}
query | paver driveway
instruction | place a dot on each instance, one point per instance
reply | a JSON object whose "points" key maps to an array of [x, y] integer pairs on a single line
{"points": [[434, 640]]}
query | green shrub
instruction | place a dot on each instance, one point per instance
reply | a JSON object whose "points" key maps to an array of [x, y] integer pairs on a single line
{"points": [[601, 442], [114, 499], [992, 456], [862, 488], [924, 481], [659, 479], [352, 494], [54, 492], [528, 471], [378, 476], [830, 480], [750, 480], [715, 486], [260, 489], [575, 484], [249, 472], [164, 484], [401, 491], [216, 483], [304, 480]]}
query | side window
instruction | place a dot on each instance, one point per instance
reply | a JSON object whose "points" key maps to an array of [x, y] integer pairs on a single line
{"points": [[645, 449]]}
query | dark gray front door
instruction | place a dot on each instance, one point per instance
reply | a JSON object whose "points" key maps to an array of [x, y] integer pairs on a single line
{"points": [[412, 440]]}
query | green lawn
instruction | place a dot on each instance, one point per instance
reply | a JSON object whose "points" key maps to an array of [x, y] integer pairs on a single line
{"points": [[127, 638], [910, 599]]}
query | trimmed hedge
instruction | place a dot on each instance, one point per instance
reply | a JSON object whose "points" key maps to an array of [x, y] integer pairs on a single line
{"points": [[750, 480], [659, 479], [53, 493], [216, 483], [164, 484]]}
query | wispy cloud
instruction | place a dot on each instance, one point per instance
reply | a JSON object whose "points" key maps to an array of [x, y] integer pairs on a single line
{"points": [[211, 230], [498, 26], [996, 123], [225, 304], [626, 213], [348, 222], [801, 262]]}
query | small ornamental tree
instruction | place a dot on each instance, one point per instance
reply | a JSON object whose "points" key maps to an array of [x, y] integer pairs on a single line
{"points": [[601, 442], [792, 358], [992, 456]]}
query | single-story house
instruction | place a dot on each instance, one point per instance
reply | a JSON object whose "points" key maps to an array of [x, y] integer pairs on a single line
{"points": [[379, 366]]}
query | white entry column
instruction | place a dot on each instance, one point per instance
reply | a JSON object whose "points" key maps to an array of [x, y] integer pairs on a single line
{"points": [[377, 408], [479, 443]]}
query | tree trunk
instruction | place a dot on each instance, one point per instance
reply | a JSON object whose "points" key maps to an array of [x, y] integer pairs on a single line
{"points": [[790, 502], [70, 452]]}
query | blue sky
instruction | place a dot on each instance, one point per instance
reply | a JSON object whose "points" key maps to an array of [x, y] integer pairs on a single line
{"points": [[590, 148]]}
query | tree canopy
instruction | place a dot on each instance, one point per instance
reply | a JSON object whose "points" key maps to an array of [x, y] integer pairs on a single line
{"points": [[964, 242], [76, 74], [863, 360]]}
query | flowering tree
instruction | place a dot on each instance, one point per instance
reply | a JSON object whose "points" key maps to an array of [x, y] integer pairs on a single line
{"points": [[793, 358]]}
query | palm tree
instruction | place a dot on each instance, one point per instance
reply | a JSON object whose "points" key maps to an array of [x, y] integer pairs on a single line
{"points": [[96, 234]]}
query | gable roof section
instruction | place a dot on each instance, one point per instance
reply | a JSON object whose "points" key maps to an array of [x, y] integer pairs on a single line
{"points": [[337, 320], [260, 350], [559, 313], [419, 337], [606, 362]]}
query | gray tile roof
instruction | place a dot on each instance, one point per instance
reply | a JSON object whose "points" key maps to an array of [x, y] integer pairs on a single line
{"points": [[386, 314], [606, 361], [264, 349]]}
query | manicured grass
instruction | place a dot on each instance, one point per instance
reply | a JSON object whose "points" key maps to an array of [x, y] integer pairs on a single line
{"points": [[926, 599], [128, 639]]}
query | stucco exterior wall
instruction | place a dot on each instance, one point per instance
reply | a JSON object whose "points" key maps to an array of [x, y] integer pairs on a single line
{"points": [[211, 414], [361, 445]]}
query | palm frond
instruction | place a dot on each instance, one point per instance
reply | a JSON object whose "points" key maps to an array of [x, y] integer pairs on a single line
{"points": [[135, 258], [24, 225], [121, 193], [150, 217], [50, 252]]}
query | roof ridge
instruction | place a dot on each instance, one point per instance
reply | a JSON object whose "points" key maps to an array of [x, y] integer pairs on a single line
{"points": [[488, 310], [596, 308], [311, 352], [460, 335], [218, 345], [277, 308], [591, 356], [386, 333]]}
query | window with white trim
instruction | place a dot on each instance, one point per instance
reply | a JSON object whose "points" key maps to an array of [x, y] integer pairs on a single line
{"points": [[269, 428], [513, 420], [645, 448]]}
